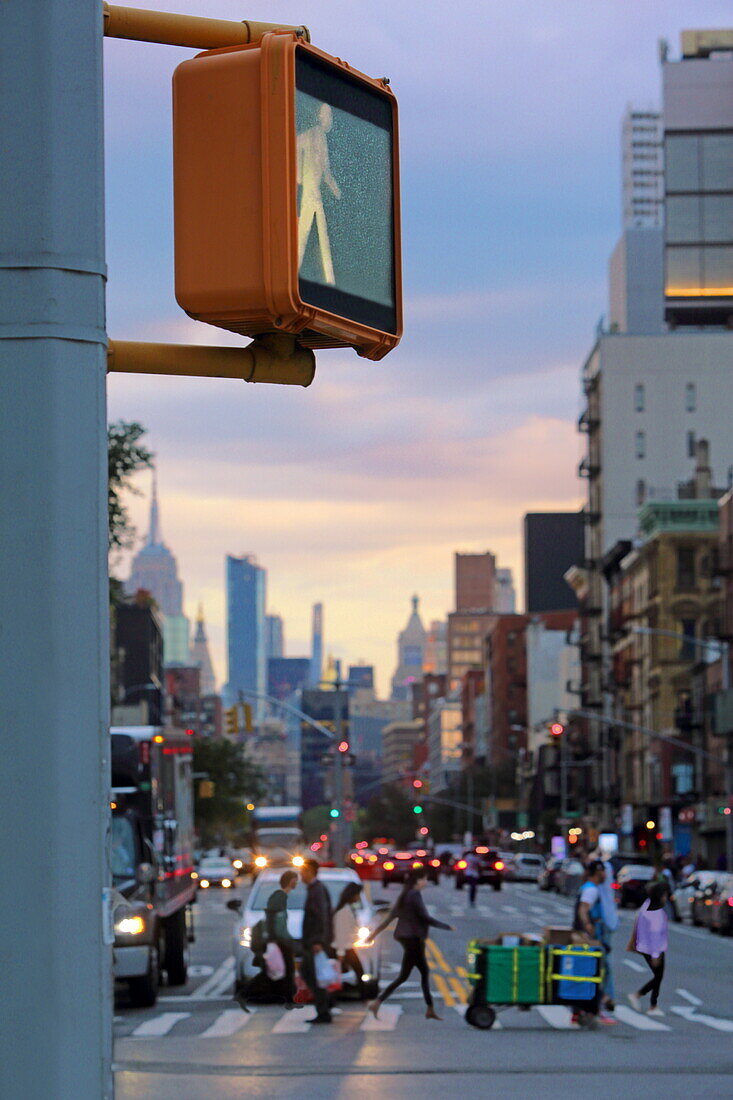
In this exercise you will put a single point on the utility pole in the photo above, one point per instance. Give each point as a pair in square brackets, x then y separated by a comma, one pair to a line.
[54, 662]
[338, 775]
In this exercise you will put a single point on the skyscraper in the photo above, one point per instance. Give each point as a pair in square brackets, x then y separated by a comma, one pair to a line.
[200, 656]
[247, 665]
[317, 645]
[155, 569]
[553, 541]
[475, 577]
[274, 636]
[643, 168]
[410, 654]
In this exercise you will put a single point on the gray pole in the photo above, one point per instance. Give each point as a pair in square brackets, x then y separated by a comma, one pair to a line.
[54, 646]
[338, 778]
[564, 779]
[725, 685]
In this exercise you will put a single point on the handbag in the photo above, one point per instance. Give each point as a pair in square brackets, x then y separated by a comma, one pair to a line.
[274, 962]
[328, 972]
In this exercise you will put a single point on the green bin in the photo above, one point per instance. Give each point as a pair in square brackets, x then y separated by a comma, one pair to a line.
[506, 975]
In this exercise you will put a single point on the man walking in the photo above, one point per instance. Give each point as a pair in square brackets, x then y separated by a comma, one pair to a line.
[317, 936]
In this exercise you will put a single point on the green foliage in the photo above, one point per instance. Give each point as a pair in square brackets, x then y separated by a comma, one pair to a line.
[389, 814]
[125, 456]
[223, 818]
[316, 821]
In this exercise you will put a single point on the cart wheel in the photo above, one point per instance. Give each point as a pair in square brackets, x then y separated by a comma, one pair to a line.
[481, 1016]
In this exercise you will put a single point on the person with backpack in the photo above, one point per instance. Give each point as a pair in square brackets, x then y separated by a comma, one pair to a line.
[588, 919]
[413, 924]
[346, 930]
[610, 922]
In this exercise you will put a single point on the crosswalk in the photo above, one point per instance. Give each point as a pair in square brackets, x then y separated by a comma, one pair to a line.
[228, 1023]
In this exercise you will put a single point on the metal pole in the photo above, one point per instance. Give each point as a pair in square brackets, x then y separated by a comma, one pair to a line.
[725, 684]
[54, 651]
[564, 778]
[338, 779]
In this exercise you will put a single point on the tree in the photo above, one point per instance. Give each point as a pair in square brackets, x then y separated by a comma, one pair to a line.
[125, 456]
[316, 821]
[223, 817]
[389, 814]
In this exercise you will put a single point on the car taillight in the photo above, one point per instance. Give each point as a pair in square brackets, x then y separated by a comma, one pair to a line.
[389, 866]
[461, 864]
[615, 886]
[730, 902]
[417, 863]
[436, 863]
[499, 865]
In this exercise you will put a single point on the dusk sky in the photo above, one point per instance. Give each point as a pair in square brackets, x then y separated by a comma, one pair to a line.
[358, 490]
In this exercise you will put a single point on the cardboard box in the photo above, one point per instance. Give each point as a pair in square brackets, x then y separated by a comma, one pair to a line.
[562, 937]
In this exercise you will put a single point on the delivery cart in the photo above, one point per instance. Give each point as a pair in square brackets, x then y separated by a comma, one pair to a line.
[524, 974]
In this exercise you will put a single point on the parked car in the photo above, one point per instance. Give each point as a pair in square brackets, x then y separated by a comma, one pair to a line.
[247, 974]
[528, 868]
[721, 913]
[242, 861]
[215, 871]
[491, 866]
[684, 895]
[633, 881]
[397, 865]
[448, 855]
[704, 897]
[569, 876]
[548, 875]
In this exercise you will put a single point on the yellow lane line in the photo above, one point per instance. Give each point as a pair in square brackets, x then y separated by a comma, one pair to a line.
[438, 956]
[444, 990]
[462, 971]
[460, 991]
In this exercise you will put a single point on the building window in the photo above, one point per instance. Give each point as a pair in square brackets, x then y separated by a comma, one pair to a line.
[690, 397]
[640, 492]
[690, 444]
[688, 647]
[685, 569]
[640, 445]
[639, 398]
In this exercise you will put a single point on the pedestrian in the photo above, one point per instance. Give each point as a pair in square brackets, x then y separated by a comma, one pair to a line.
[610, 922]
[588, 919]
[276, 925]
[471, 875]
[346, 931]
[413, 922]
[317, 936]
[650, 937]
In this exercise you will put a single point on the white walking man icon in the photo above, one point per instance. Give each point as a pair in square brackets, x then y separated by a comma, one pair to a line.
[313, 170]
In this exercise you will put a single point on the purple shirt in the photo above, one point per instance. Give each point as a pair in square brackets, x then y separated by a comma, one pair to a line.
[651, 931]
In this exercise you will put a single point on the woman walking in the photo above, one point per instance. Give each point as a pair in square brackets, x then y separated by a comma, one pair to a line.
[650, 938]
[346, 931]
[413, 922]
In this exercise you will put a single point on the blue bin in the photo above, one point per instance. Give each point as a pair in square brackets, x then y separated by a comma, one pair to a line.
[575, 973]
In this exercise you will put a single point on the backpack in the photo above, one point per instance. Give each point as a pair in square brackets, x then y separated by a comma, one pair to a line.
[259, 938]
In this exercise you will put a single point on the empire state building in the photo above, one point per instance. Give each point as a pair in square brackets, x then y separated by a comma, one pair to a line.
[155, 569]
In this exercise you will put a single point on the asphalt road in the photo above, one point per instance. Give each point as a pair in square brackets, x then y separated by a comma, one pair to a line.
[197, 1044]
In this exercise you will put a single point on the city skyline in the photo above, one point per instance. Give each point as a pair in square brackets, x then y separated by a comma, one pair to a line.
[358, 490]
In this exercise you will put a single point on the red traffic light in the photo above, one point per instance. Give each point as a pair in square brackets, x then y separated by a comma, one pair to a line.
[557, 729]
[343, 746]
[417, 784]
[424, 831]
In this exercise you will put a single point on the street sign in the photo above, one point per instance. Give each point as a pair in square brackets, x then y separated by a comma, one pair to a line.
[286, 194]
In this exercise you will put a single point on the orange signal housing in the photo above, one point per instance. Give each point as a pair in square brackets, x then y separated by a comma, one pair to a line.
[235, 196]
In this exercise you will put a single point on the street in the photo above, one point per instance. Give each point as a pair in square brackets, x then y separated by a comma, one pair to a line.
[198, 1043]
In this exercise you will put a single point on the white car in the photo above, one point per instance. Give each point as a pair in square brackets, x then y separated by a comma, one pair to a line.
[527, 868]
[334, 879]
[215, 871]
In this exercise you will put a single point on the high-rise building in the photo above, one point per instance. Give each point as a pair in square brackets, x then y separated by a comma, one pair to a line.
[435, 659]
[317, 644]
[201, 657]
[553, 541]
[274, 636]
[643, 168]
[505, 599]
[155, 570]
[245, 585]
[139, 647]
[466, 633]
[286, 675]
[698, 180]
[361, 678]
[475, 581]
[410, 654]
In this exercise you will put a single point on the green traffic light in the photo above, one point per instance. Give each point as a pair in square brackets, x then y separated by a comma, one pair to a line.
[417, 809]
[335, 813]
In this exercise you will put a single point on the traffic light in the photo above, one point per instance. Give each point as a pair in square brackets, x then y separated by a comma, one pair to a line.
[417, 809]
[206, 788]
[417, 784]
[248, 727]
[557, 729]
[286, 196]
[232, 720]
[335, 813]
[343, 746]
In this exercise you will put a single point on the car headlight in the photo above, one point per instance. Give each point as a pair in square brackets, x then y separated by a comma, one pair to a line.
[226, 883]
[261, 861]
[203, 883]
[194, 874]
[130, 926]
[245, 937]
[237, 864]
[298, 861]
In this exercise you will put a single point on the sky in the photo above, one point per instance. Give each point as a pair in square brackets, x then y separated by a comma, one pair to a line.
[357, 491]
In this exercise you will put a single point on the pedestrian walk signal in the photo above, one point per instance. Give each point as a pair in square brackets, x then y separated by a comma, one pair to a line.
[286, 196]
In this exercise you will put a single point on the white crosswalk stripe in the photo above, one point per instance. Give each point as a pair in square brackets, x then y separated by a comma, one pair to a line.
[634, 966]
[159, 1025]
[228, 1022]
[714, 1022]
[293, 1022]
[557, 1016]
[385, 1021]
[637, 1020]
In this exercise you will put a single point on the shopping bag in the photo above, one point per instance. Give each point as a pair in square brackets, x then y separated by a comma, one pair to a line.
[274, 962]
[328, 972]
